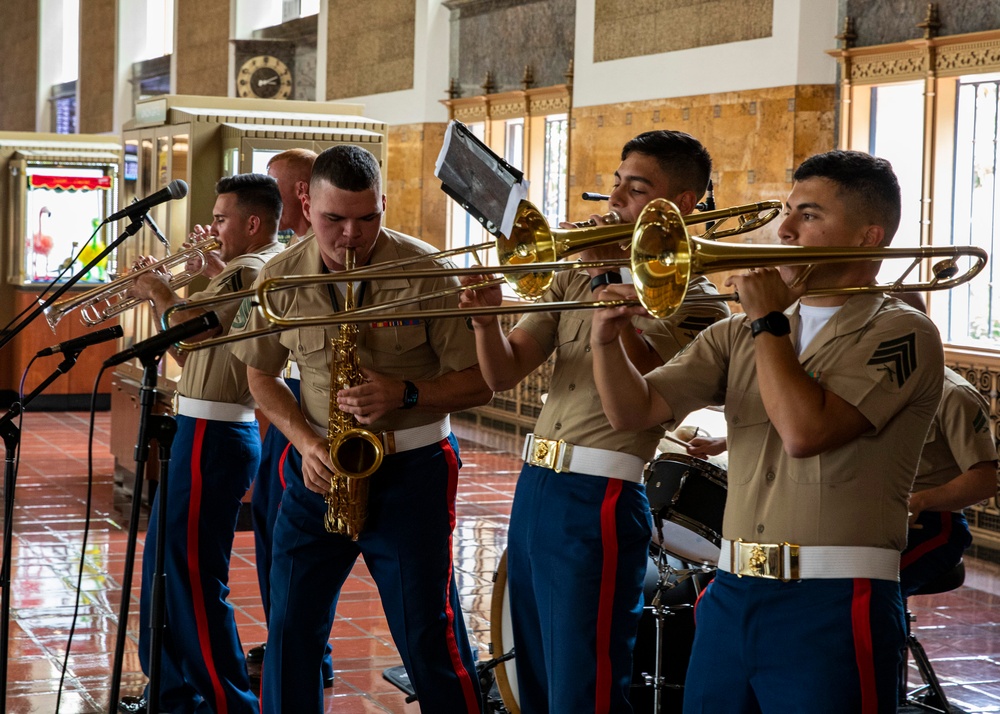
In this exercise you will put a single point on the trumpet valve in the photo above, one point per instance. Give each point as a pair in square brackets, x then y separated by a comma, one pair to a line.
[609, 218]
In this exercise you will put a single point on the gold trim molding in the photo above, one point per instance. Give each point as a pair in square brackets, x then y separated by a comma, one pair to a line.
[509, 105]
[972, 53]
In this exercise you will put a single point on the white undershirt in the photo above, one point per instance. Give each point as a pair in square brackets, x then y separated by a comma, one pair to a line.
[811, 320]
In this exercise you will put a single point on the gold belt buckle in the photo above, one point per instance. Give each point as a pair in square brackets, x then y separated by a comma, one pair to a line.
[765, 560]
[550, 454]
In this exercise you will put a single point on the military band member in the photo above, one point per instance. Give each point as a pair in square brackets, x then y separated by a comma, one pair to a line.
[827, 401]
[417, 371]
[215, 456]
[580, 525]
[292, 170]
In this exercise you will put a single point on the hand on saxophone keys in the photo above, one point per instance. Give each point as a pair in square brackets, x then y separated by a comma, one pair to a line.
[372, 399]
[317, 470]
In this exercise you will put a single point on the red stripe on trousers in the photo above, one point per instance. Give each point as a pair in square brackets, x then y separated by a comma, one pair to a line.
[605, 606]
[861, 623]
[281, 465]
[927, 546]
[194, 567]
[471, 701]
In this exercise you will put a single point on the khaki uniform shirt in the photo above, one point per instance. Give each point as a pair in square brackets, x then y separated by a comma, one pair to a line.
[573, 410]
[407, 349]
[959, 436]
[877, 354]
[213, 374]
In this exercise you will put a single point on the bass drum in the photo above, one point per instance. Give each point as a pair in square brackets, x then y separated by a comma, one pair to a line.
[677, 636]
[502, 637]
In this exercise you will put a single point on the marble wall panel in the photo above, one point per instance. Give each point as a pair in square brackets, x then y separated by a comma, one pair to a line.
[879, 23]
[98, 33]
[202, 50]
[415, 203]
[633, 28]
[19, 40]
[502, 36]
[370, 47]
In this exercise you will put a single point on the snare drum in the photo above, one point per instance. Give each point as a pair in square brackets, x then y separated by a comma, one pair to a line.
[687, 497]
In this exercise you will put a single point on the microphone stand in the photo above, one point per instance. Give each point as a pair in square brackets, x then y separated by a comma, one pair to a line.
[130, 230]
[162, 428]
[11, 440]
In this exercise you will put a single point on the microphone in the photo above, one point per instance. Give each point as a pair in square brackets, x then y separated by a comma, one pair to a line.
[151, 224]
[175, 189]
[78, 343]
[161, 342]
[588, 196]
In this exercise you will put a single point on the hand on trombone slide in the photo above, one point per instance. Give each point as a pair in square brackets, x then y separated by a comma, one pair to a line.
[610, 321]
[763, 290]
[488, 294]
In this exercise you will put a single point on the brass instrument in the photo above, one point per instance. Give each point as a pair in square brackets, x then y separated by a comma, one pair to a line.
[106, 301]
[355, 452]
[664, 259]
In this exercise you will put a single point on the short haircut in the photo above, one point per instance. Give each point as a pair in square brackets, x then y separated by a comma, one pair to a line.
[349, 168]
[866, 183]
[256, 194]
[300, 161]
[681, 157]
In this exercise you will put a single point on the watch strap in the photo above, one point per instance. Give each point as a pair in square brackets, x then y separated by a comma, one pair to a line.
[774, 322]
[410, 394]
[608, 278]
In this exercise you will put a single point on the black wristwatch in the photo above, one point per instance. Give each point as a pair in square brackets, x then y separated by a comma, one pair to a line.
[774, 322]
[410, 395]
[608, 278]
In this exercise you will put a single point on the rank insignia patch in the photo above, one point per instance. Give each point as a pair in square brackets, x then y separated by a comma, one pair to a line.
[694, 324]
[981, 423]
[897, 358]
[240, 321]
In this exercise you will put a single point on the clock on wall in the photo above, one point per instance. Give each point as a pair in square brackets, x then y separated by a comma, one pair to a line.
[264, 77]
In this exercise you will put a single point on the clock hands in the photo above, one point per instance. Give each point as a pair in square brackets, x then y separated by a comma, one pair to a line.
[269, 80]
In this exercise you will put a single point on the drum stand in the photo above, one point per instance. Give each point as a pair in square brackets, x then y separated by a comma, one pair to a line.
[662, 612]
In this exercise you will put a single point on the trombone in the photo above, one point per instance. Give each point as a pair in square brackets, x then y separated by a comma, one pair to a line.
[664, 259]
[111, 299]
[529, 259]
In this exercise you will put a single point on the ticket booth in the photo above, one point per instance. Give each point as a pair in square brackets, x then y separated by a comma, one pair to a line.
[199, 140]
[56, 192]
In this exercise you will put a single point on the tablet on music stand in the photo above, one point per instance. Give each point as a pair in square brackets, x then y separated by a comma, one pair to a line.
[481, 182]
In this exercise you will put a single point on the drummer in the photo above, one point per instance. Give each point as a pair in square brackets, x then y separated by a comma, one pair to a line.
[580, 523]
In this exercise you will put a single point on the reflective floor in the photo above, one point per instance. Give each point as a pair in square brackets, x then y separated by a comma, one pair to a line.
[959, 630]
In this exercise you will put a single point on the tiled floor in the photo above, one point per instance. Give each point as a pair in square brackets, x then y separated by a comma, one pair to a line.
[959, 630]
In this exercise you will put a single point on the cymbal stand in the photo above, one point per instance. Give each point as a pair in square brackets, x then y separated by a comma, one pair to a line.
[662, 612]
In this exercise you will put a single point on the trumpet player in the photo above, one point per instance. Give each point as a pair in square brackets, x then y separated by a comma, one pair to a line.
[413, 372]
[215, 456]
[580, 524]
[828, 399]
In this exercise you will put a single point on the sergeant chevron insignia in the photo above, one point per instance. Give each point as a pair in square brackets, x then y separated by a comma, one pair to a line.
[695, 323]
[896, 358]
[981, 423]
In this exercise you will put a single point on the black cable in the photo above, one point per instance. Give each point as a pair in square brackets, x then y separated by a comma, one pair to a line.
[86, 532]
[52, 284]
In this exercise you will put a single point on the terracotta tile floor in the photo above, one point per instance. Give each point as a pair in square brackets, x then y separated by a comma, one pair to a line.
[960, 630]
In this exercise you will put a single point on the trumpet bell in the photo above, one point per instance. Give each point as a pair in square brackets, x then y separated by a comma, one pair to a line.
[661, 258]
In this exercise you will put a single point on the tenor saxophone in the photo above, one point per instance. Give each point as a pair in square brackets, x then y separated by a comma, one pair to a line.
[355, 452]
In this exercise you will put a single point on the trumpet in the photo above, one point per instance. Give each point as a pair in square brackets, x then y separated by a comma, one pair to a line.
[664, 260]
[106, 301]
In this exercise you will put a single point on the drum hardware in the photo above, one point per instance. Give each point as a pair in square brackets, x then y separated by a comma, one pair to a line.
[668, 578]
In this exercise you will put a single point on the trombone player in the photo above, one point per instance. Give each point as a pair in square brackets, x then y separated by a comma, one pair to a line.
[827, 400]
[415, 372]
[580, 524]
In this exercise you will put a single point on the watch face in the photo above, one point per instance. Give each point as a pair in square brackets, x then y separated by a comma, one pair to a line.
[265, 77]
